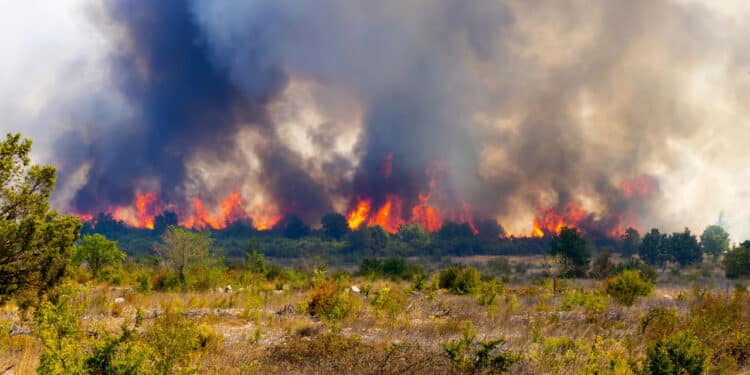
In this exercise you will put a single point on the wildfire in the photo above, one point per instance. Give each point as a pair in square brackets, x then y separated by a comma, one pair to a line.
[389, 215]
[551, 221]
[142, 213]
[640, 187]
[146, 206]
[426, 215]
[360, 213]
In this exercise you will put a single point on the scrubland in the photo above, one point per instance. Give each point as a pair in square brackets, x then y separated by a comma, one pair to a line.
[467, 320]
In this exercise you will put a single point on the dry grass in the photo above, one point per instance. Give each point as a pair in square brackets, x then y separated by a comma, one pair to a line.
[260, 332]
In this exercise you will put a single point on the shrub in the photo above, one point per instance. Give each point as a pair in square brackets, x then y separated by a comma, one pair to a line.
[471, 356]
[389, 302]
[172, 339]
[59, 328]
[737, 263]
[595, 302]
[328, 302]
[459, 281]
[393, 268]
[647, 272]
[626, 287]
[602, 266]
[680, 353]
[488, 291]
[658, 323]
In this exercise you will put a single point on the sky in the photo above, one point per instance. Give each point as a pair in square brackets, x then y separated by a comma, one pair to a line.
[526, 103]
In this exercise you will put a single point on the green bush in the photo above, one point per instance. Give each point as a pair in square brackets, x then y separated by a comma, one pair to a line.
[737, 263]
[658, 323]
[172, 339]
[59, 328]
[626, 287]
[393, 268]
[470, 356]
[459, 281]
[488, 291]
[680, 353]
[329, 303]
[647, 272]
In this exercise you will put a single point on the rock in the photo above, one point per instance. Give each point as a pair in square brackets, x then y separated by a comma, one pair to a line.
[278, 291]
[355, 289]
[20, 330]
[287, 310]
[119, 300]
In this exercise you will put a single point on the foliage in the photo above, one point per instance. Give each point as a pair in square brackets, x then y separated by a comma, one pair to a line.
[602, 266]
[471, 356]
[654, 248]
[715, 240]
[680, 353]
[647, 272]
[122, 354]
[684, 248]
[627, 286]
[459, 280]
[389, 302]
[335, 225]
[97, 251]
[180, 248]
[37, 244]
[594, 302]
[571, 249]
[295, 228]
[658, 323]
[394, 268]
[488, 292]
[737, 262]
[59, 329]
[414, 235]
[630, 242]
[328, 302]
[172, 339]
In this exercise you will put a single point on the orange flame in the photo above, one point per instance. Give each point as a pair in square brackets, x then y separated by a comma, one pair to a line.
[389, 215]
[360, 213]
[426, 215]
[550, 221]
[141, 215]
[230, 211]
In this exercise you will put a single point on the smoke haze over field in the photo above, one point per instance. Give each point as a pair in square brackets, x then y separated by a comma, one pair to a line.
[635, 110]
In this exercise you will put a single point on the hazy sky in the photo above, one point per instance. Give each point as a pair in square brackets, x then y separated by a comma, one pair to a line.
[679, 73]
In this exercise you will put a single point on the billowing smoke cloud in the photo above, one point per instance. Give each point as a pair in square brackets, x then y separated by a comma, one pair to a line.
[518, 105]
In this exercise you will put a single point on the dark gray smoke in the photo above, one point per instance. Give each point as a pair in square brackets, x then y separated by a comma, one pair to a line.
[526, 104]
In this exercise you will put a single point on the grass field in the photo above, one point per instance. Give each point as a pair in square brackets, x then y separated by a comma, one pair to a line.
[324, 326]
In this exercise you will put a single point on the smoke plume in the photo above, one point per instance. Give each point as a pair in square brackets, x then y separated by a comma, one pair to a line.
[509, 108]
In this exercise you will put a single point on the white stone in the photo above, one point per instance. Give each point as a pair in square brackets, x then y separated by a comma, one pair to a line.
[355, 289]
[119, 300]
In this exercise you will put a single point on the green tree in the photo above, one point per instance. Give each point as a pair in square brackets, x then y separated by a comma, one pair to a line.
[681, 353]
[653, 248]
[180, 248]
[335, 225]
[36, 244]
[737, 262]
[683, 247]
[571, 249]
[715, 240]
[414, 235]
[98, 252]
[630, 241]
[295, 228]
[164, 221]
